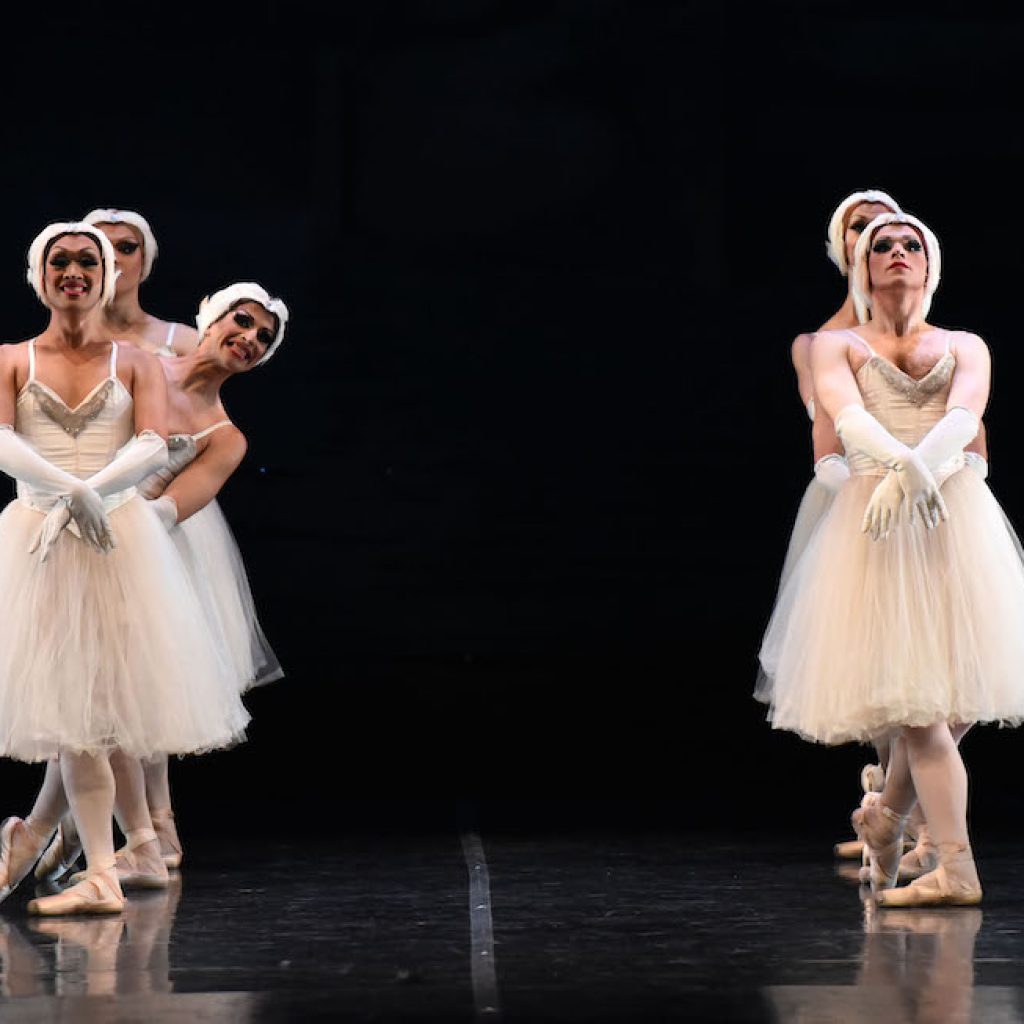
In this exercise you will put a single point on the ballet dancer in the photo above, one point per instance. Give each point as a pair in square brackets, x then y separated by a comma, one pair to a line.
[901, 616]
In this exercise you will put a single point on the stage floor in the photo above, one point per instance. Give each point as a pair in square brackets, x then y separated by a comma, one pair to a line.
[520, 928]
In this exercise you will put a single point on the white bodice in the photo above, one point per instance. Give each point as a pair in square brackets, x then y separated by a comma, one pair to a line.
[907, 407]
[82, 440]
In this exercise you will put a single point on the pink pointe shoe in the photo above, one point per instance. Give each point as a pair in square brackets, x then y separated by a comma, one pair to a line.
[954, 883]
[167, 833]
[136, 867]
[922, 858]
[881, 830]
[20, 848]
[97, 893]
[61, 855]
[872, 780]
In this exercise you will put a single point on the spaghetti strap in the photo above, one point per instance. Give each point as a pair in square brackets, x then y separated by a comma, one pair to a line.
[113, 359]
[210, 430]
[32, 359]
[170, 337]
[871, 351]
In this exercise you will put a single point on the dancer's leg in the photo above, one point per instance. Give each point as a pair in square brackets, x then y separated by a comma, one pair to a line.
[141, 863]
[51, 802]
[89, 784]
[940, 780]
[158, 795]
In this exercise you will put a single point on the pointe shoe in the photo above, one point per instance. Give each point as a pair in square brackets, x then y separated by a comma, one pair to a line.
[19, 851]
[135, 869]
[60, 856]
[872, 780]
[881, 830]
[954, 883]
[97, 893]
[922, 858]
[170, 844]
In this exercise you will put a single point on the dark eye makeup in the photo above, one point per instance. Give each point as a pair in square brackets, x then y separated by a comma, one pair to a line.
[126, 247]
[884, 245]
[245, 321]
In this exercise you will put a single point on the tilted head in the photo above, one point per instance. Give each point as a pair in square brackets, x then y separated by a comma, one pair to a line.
[240, 332]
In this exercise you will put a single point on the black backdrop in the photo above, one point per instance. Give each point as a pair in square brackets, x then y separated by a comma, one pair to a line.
[521, 478]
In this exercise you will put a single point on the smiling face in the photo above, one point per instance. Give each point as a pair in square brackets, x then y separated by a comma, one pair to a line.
[128, 254]
[856, 221]
[73, 273]
[241, 337]
[897, 258]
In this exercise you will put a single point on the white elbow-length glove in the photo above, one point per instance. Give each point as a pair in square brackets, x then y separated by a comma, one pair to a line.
[832, 472]
[76, 499]
[141, 456]
[134, 462]
[860, 430]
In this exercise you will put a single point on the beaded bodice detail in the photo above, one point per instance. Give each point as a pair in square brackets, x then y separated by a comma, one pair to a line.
[907, 407]
[72, 421]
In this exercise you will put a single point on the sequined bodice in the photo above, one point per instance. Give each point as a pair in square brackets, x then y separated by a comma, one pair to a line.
[906, 407]
[80, 440]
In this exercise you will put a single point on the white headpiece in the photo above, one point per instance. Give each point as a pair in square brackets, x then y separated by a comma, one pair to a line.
[134, 220]
[861, 279]
[37, 253]
[835, 246]
[214, 306]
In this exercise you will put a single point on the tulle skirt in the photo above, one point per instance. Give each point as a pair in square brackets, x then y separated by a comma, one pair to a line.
[107, 650]
[924, 626]
[215, 566]
[817, 500]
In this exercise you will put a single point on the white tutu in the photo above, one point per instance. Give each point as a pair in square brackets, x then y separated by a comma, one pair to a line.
[107, 650]
[923, 626]
[214, 562]
[817, 500]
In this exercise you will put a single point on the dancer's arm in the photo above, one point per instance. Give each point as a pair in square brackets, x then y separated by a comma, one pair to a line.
[200, 482]
[968, 396]
[837, 391]
[147, 451]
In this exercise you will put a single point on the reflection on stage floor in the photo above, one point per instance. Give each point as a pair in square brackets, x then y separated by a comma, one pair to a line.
[520, 928]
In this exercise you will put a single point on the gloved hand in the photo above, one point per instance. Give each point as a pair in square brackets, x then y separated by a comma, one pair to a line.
[861, 431]
[85, 507]
[166, 509]
[883, 511]
[978, 463]
[832, 472]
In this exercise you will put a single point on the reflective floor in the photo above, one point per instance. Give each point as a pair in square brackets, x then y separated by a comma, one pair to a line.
[583, 928]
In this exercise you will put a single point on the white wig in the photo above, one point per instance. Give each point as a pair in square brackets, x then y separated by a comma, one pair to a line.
[214, 306]
[134, 220]
[835, 246]
[41, 243]
[861, 278]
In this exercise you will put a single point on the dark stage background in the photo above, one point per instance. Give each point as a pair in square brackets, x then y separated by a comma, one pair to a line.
[521, 478]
